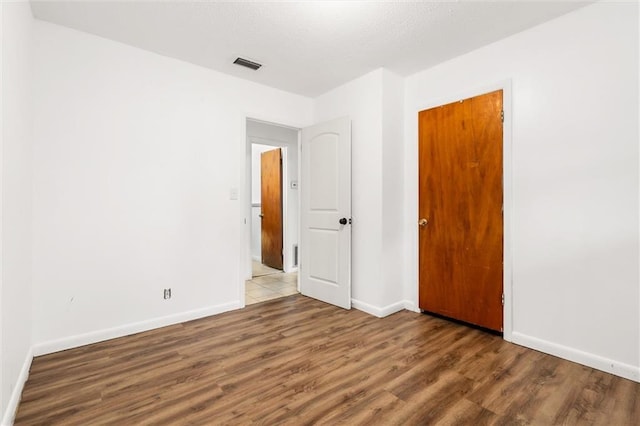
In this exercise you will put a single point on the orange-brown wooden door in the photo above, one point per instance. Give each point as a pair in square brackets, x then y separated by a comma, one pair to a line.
[271, 201]
[460, 210]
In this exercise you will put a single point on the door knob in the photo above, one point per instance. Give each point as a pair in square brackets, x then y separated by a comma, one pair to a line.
[423, 222]
[343, 221]
[261, 215]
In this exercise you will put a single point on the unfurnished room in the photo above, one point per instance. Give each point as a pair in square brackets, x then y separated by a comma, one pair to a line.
[320, 212]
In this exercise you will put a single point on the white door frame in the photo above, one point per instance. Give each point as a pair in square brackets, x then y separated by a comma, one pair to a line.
[245, 254]
[412, 222]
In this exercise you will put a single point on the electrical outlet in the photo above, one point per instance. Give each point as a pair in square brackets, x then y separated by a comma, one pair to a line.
[167, 293]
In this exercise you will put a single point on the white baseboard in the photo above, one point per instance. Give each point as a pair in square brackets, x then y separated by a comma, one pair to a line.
[411, 306]
[590, 360]
[128, 329]
[12, 407]
[377, 311]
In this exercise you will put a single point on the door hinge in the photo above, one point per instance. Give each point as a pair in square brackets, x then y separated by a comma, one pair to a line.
[502, 299]
[502, 116]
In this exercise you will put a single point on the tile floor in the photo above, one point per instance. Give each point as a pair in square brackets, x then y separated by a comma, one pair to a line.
[268, 283]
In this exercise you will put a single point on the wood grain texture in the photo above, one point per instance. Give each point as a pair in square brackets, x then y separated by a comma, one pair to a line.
[460, 187]
[299, 361]
[271, 200]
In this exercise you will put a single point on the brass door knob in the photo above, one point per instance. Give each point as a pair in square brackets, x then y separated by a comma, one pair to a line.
[423, 222]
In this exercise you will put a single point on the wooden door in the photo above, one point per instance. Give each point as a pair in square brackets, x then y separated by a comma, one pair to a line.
[325, 212]
[460, 210]
[271, 201]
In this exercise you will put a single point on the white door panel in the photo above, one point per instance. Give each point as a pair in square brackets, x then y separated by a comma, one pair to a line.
[323, 249]
[323, 172]
[325, 190]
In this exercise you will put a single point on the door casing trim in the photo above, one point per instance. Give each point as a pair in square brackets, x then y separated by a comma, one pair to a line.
[245, 258]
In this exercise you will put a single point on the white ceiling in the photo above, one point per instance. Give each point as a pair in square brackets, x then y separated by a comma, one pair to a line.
[306, 47]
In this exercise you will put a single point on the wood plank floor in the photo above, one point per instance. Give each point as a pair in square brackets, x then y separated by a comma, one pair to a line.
[299, 361]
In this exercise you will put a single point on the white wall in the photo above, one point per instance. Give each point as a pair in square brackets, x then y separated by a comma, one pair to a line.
[374, 104]
[256, 152]
[16, 206]
[393, 203]
[136, 156]
[256, 233]
[575, 179]
[256, 209]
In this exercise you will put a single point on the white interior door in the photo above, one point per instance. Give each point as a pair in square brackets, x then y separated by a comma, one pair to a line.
[325, 216]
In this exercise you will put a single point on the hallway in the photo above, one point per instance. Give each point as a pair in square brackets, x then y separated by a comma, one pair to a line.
[268, 283]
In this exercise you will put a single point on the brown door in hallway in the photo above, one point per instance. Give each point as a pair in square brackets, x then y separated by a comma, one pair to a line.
[271, 201]
[460, 210]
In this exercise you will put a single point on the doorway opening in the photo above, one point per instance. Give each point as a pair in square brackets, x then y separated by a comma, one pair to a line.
[272, 166]
[318, 220]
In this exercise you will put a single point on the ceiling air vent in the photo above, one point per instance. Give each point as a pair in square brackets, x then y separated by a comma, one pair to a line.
[247, 63]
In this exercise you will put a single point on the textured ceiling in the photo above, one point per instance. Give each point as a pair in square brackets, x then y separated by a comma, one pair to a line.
[307, 47]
